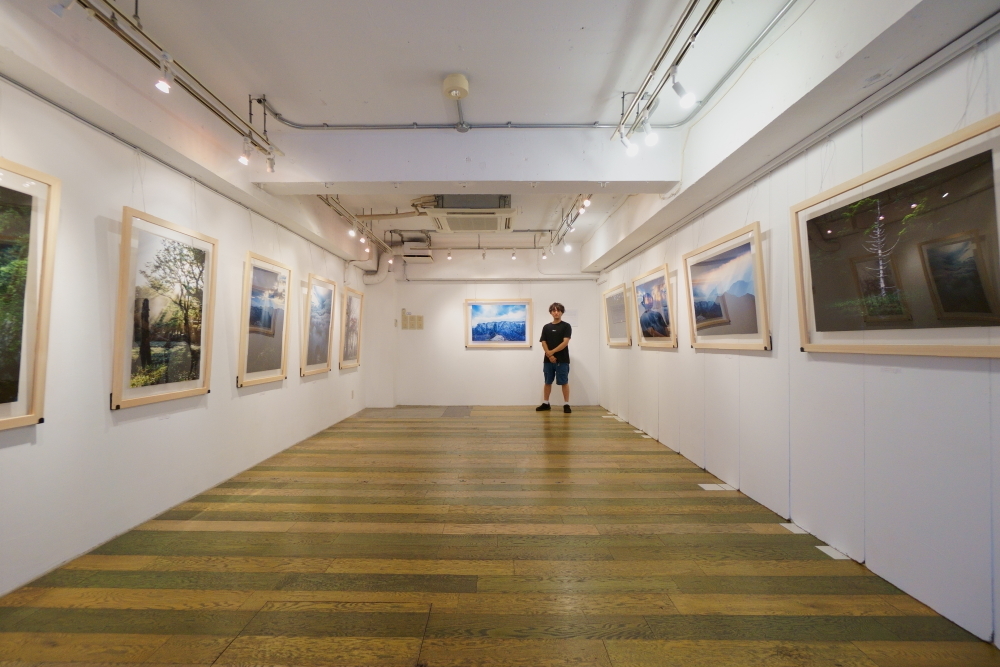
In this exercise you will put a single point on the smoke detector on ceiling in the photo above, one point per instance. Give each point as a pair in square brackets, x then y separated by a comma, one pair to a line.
[456, 86]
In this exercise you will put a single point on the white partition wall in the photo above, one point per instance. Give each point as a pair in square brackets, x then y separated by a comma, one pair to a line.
[87, 473]
[888, 459]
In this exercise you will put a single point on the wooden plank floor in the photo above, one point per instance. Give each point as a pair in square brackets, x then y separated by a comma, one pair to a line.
[490, 536]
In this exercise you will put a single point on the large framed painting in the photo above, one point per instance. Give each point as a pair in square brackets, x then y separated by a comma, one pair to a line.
[351, 320]
[317, 330]
[617, 330]
[654, 308]
[264, 323]
[905, 258]
[29, 215]
[727, 293]
[166, 296]
[498, 323]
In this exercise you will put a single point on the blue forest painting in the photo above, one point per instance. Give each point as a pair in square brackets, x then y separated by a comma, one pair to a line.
[498, 322]
[723, 293]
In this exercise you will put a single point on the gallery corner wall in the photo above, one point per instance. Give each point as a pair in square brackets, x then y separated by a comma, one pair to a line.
[88, 473]
[892, 460]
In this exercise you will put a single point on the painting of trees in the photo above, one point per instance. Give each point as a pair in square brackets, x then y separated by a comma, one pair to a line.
[169, 298]
[15, 233]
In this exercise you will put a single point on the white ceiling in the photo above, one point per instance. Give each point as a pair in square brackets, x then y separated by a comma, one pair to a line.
[382, 61]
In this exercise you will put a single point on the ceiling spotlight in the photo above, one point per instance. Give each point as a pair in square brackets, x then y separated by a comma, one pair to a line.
[166, 79]
[270, 163]
[484, 254]
[513, 255]
[572, 227]
[567, 247]
[455, 86]
[630, 149]
[390, 260]
[368, 249]
[351, 232]
[944, 195]
[449, 254]
[247, 148]
[651, 138]
[544, 255]
[583, 209]
[586, 202]
[363, 239]
[687, 98]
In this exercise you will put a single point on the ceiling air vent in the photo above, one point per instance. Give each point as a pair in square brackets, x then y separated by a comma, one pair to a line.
[472, 214]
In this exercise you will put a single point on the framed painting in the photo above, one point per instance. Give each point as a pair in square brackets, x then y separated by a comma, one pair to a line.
[654, 308]
[351, 321]
[498, 323]
[166, 296]
[727, 293]
[317, 330]
[29, 217]
[616, 330]
[904, 259]
[264, 321]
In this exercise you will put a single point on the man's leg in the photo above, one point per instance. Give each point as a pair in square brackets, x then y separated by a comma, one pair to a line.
[546, 392]
[565, 390]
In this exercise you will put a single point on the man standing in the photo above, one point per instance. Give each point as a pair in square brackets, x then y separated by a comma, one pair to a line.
[555, 344]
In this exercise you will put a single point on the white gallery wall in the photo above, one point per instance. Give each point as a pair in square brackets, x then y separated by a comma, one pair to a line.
[890, 459]
[433, 367]
[87, 473]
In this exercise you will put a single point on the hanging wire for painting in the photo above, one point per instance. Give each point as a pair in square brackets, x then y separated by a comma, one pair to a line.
[751, 200]
[826, 155]
[139, 171]
[253, 240]
[972, 81]
[2, 85]
[277, 241]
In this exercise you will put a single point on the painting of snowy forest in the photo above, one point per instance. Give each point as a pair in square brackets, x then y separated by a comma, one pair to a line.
[498, 323]
[318, 341]
[350, 328]
[919, 255]
[266, 320]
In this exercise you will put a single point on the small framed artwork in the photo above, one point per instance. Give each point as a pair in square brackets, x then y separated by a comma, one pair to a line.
[317, 330]
[498, 323]
[654, 308]
[727, 293]
[166, 297]
[29, 216]
[351, 321]
[617, 330]
[264, 322]
[904, 259]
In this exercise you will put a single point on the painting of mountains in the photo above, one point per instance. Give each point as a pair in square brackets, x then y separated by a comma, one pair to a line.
[722, 293]
[955, 270]
[498, 324]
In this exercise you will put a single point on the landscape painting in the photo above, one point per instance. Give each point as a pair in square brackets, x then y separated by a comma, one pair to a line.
[728, 306]
[498, 323]
[317, 346]
[351, 320]
[264, 341]
[617, 331]
[654, 308]
[166, 285]
[918, 255]
[15, 241]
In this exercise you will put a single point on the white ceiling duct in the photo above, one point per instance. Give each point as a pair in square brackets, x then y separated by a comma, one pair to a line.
[471, 214]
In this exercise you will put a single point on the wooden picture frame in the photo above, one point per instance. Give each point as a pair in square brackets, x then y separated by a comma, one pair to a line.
[313, 314]
[907, 174]
[25, 396]
[496, 328]
[350, 334]
[618, 293]
[182, 265]
[727, 320]
[670, 340]
[267, 288]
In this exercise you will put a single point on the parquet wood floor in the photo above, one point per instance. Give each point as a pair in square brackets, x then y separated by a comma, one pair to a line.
[496, 536]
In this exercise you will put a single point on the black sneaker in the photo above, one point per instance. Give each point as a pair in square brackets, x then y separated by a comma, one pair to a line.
[543, 407]
[567, 409]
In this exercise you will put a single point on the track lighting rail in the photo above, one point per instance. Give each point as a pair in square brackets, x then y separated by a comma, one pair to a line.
[361, 228]
[130, 31]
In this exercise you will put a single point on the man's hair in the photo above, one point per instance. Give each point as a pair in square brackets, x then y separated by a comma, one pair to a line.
[557, 306]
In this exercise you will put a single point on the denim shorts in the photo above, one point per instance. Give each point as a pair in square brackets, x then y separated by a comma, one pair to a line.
[558, 372]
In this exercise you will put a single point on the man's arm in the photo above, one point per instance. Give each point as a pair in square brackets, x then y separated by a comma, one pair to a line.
[557, 348]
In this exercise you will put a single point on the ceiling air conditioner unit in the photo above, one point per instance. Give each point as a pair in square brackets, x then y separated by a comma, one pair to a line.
[472, 214]
[417, 253]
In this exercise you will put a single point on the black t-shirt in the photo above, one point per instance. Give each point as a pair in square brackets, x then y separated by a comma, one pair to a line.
[553, 335]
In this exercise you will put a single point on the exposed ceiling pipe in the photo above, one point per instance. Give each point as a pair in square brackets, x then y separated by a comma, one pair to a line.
[392, 216]
[375, 277]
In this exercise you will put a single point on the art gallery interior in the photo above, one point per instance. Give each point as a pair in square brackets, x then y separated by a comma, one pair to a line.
[272, 281]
